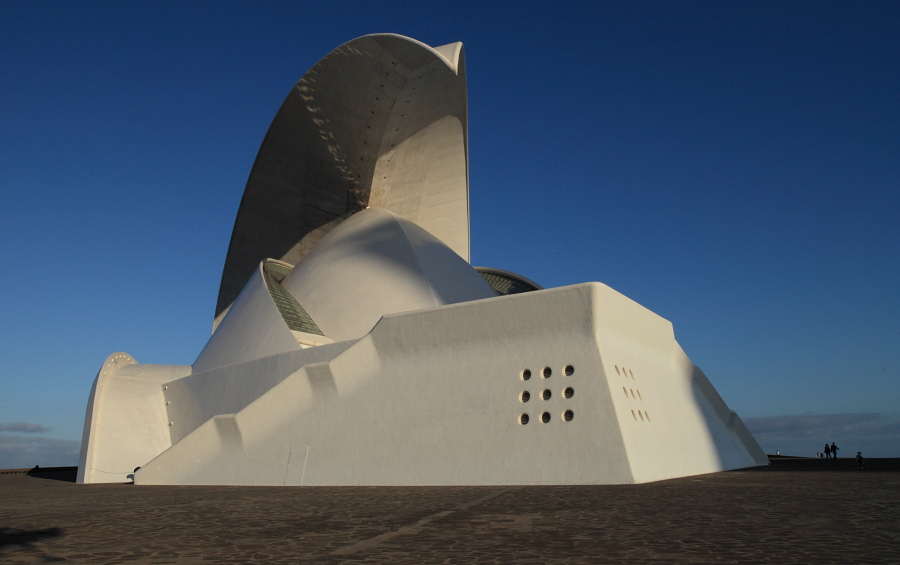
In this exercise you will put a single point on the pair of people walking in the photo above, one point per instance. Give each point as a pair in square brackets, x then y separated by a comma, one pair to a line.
[831, 451]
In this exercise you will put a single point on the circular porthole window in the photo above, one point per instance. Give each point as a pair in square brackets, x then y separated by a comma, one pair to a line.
[545, 417]
[568, 415]
[523, 419]
[545, 394]
[525, 396]
[569, 370]
[526, 374]
[569, 392]
[547, 372]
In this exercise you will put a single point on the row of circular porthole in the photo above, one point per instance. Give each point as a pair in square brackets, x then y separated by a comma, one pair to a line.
[566, 416]
[547, 372]
[525, 396]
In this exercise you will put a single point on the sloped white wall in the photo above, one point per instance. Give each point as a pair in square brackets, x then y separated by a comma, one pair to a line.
[253, 328]
[434, 397]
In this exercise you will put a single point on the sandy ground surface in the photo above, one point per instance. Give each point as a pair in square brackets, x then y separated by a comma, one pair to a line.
[794, 511]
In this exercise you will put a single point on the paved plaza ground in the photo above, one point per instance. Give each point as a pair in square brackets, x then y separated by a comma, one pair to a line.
[794, 511]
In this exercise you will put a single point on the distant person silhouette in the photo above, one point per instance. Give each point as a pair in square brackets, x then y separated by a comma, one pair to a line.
[827, 452]
[860, 462]
[834, 450]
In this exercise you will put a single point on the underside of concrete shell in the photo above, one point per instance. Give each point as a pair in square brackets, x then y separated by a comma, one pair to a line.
[380, 121]
[355, 345]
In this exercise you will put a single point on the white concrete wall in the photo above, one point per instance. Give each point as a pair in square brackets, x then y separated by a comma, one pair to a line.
[434, 397]
[194, 399]
[125, 425]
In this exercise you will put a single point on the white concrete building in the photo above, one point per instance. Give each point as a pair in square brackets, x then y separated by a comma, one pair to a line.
[353, 343]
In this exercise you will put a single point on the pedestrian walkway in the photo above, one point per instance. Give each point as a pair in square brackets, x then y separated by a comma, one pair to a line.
[794, 511]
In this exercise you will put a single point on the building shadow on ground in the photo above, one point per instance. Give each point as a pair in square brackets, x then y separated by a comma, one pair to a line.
[65, 474]
[25, 539]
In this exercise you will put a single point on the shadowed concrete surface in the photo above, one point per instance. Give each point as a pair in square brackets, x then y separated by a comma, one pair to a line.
[794, 511]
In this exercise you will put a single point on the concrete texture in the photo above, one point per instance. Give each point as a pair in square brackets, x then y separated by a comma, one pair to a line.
[794, 511]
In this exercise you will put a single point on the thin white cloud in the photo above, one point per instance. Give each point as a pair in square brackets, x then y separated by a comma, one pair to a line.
[23, 428]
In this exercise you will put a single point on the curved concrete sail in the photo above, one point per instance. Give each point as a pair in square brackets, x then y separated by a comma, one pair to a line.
[379, 121]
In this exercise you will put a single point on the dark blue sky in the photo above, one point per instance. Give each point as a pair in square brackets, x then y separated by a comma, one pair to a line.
[735, 167]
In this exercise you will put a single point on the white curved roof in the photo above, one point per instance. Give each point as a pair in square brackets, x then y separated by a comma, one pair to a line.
[378, 263]
[379, 121]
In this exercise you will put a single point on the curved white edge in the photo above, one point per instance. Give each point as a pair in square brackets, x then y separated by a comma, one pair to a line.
[448, 53]
[92, 413]
[451, 53]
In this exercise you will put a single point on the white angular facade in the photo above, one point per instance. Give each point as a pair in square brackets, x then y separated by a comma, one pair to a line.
[353, 343]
